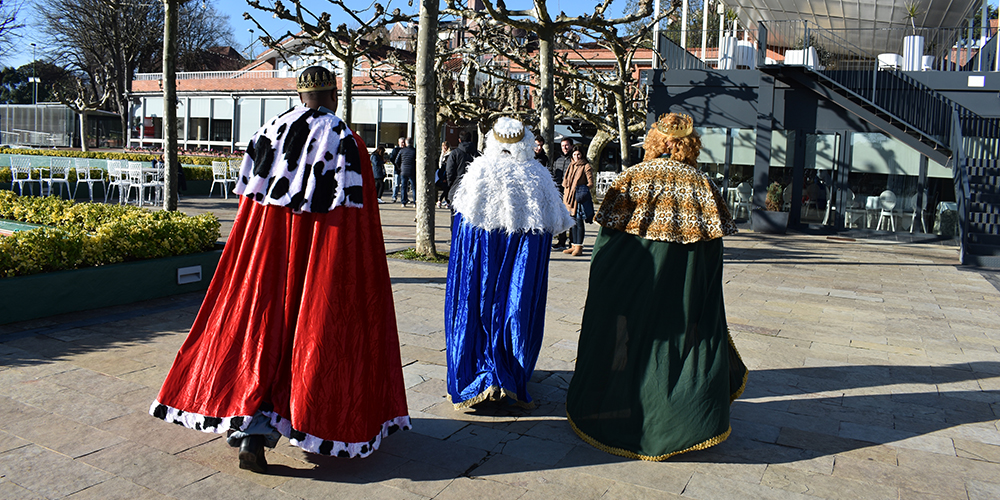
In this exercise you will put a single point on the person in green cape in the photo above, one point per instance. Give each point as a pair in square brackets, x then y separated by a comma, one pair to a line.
[657, 369]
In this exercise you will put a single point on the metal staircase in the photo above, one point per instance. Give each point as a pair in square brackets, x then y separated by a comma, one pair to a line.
[920, 117]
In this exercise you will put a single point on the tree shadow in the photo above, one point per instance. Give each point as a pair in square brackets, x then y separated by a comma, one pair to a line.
[772, 422]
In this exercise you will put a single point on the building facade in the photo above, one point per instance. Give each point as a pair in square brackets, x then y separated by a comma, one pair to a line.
[865, 120]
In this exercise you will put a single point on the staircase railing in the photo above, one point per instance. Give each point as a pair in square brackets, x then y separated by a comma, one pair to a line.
[980, 135]
[960, 177]
[675, 57]
[877, 81]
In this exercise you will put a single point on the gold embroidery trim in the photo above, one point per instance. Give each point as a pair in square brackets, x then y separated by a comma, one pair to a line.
[700, 446]
[631, 454]
[493, 393]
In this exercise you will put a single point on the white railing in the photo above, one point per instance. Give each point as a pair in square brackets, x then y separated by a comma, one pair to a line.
[220, 75]
[230, 75]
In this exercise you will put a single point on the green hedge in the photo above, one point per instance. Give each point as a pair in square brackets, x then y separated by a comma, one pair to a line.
[190, 173]
[93, 234]
[105, 155]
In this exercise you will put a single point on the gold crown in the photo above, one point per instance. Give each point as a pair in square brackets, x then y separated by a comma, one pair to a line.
[316, 82]
[683, 129]
[509, 139]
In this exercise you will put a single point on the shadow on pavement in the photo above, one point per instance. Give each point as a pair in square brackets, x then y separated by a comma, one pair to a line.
[772, 424]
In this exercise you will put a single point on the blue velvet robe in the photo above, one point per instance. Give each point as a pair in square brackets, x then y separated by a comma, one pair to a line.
[494, 312]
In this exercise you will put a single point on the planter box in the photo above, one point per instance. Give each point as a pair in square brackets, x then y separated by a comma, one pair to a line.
[48, 294]
[766, 221]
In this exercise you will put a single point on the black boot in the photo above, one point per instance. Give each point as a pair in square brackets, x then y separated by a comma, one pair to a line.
[252, 454]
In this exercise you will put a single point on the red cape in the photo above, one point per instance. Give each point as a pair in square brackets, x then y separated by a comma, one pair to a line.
[298, 322]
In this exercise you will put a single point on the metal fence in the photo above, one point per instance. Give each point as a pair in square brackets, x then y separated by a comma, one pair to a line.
[907, 49]
[43, 125]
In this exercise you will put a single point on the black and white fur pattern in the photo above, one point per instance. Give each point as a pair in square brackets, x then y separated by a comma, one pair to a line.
[318, 445]
[304, 159]
[307, 442]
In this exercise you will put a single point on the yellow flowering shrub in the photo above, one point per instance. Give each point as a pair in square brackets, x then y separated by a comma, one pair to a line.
[80, 235]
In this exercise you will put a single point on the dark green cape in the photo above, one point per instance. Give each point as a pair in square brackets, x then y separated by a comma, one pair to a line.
[656, 369]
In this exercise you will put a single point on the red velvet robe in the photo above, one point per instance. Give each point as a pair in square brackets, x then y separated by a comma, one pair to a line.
[299, 323]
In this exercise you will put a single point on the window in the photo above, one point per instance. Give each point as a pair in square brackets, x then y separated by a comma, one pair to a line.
[222, 130]
[198, 129]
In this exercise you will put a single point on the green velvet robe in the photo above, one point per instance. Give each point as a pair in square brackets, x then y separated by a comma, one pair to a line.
[657, 369]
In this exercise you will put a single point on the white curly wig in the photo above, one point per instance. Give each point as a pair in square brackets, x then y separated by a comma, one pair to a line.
[506, 188]
[522, 150]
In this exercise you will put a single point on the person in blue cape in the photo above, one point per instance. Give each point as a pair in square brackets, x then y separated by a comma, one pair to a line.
[506, 211]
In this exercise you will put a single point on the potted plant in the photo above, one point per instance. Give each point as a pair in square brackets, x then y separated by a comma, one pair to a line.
[913, 45]
[772, 220]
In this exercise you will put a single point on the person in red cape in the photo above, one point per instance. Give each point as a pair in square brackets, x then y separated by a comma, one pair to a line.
[297, 333]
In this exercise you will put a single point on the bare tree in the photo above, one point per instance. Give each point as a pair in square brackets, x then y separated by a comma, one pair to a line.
[112, 37]
[84, 96]
[426, 125]
[318, 39]
[111, 40]
[473, 86]
[200, 27]
[619, 86]
[537, 20]
[9, 23]
[170, 21]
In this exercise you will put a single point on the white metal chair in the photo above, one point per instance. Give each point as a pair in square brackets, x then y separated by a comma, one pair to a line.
[85, 174]
[117, 179]
[887, 205]
[133, 174]
[888, 61]
[141, 178]
[743, 193]
[918, 213]
[235, 165]
[854, 212]
[153, 179]
[220, 175]
[20, 174]
[604, 180]
[390, 177]
[786, 197]
[59, 174]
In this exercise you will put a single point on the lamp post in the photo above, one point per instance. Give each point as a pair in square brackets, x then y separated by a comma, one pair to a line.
[656, 35]
[34, 98]
[251, 43]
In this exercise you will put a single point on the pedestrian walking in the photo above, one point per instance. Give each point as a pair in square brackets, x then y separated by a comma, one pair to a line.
[297, 334]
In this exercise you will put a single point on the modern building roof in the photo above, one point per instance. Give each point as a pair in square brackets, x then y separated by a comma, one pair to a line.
[853, 14]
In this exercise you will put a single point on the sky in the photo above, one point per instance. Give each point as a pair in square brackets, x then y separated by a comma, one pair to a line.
[22, 53]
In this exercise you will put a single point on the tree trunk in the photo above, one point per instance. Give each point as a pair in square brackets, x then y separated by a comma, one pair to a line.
[546, 87]
[426, 130]
[597, 145]
[169, 104]
[622, 129]
[348, 92]
[83, 131]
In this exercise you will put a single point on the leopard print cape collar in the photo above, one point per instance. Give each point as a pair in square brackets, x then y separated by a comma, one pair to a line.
[664, 200]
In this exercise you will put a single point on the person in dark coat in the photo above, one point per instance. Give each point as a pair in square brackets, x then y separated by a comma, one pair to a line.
[441, 176]
[407, 165]
[394, 159]
[540, 152]
[378, 170]
[458, 160]
[559, 166]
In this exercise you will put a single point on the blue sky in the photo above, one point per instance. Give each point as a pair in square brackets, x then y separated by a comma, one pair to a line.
[22, 53]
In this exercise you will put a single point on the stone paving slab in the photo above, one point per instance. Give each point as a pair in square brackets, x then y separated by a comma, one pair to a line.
[875, 373]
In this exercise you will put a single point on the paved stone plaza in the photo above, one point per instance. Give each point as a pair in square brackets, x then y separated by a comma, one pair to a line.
[874, 375]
